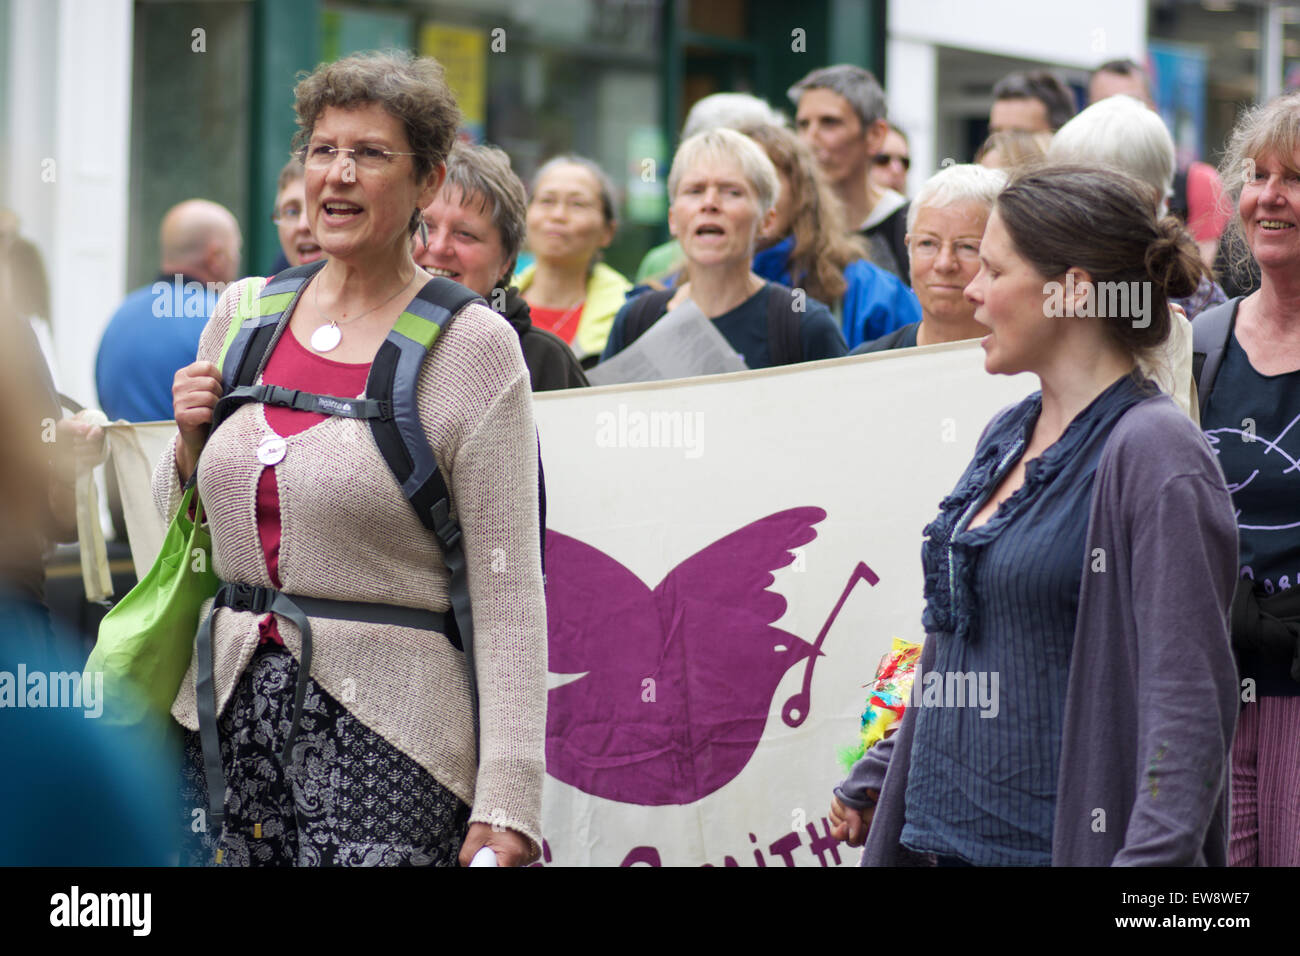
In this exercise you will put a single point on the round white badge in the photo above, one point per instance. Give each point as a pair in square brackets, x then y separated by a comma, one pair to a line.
[326, 337]
[271, 451]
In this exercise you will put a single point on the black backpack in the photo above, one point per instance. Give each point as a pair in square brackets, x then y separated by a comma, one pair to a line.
[1210, 333]
[783, 324]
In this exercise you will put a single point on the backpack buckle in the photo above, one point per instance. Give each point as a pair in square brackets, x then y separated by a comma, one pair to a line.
[248, 597]
[444, 527]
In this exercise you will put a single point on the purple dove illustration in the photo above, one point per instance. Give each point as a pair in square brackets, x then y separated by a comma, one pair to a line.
[676, 682]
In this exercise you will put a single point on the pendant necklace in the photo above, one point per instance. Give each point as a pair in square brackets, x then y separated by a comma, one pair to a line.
[327, 337]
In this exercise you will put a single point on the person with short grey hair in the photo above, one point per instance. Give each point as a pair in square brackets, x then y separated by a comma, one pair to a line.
[473, 231]
[843, 116]
[945, 225]
[722, 191]
[1122, 133]
[732, 110]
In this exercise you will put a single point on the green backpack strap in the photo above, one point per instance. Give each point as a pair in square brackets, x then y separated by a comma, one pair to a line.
[248, 340]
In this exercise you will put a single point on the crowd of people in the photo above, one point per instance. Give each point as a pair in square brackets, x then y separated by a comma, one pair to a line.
[1164, 691]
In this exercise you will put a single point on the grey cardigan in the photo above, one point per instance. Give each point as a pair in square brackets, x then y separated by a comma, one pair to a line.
[1152, 699]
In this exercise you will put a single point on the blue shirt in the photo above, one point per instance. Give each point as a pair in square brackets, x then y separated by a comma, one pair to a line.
[1002, 606]
[154, 333]
[875, 302]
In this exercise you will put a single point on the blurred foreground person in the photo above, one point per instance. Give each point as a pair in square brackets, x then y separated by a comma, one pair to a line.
[1249, 380]
[945, 225]
[569, 291]
[723, 191]
[473, 231]
[73, 791]
[1080, 572]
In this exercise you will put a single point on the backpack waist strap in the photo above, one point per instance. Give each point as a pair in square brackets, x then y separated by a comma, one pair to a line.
[298, 609]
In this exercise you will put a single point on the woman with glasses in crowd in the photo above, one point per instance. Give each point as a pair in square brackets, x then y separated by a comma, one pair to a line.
[290, 216]
[569, 291]
[945, 224]
[391, 763]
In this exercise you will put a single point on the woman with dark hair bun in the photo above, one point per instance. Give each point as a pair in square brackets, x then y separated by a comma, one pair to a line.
[1077, 579]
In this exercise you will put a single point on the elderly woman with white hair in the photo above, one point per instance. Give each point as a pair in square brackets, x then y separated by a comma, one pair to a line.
[1121, 132]
[944, 227]
[723, 190]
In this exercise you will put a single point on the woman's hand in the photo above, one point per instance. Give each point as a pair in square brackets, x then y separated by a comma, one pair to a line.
[510, 847]
[195, 391]
[852, 825]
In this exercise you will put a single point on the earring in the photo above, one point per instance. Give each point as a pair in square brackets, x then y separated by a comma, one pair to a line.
[424, 232]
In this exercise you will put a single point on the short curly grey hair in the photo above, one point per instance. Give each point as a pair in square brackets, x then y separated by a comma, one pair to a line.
[413, 89]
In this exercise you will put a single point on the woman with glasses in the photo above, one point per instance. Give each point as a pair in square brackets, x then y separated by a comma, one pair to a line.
[378, 756]
[290, 217]
[945, 224]
[569, 291]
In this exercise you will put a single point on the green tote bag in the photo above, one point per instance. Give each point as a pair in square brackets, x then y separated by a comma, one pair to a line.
[146, 640]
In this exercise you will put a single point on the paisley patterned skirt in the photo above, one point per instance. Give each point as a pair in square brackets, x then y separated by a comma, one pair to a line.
[349, 799]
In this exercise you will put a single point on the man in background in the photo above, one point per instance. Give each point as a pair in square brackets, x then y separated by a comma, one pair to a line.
[1031, 101]
[842, 114]
[156, 329]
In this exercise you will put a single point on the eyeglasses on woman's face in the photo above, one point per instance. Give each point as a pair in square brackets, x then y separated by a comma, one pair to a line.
[365, 156]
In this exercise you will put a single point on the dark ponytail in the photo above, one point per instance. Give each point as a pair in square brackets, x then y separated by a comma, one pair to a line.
[1103, 221]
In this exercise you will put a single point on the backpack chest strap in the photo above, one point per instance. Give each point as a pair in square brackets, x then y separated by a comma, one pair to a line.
[337, 406]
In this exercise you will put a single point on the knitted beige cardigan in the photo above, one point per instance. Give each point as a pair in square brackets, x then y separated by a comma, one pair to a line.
[348, 534]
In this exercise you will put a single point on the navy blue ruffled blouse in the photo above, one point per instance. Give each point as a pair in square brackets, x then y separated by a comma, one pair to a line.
[1001, 606]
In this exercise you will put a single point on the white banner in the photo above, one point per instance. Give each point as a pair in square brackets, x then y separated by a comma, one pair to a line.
[691, 720]
[727, 559]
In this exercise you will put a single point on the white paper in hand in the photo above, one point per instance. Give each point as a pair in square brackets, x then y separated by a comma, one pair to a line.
[486, 856]
[683, 344]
